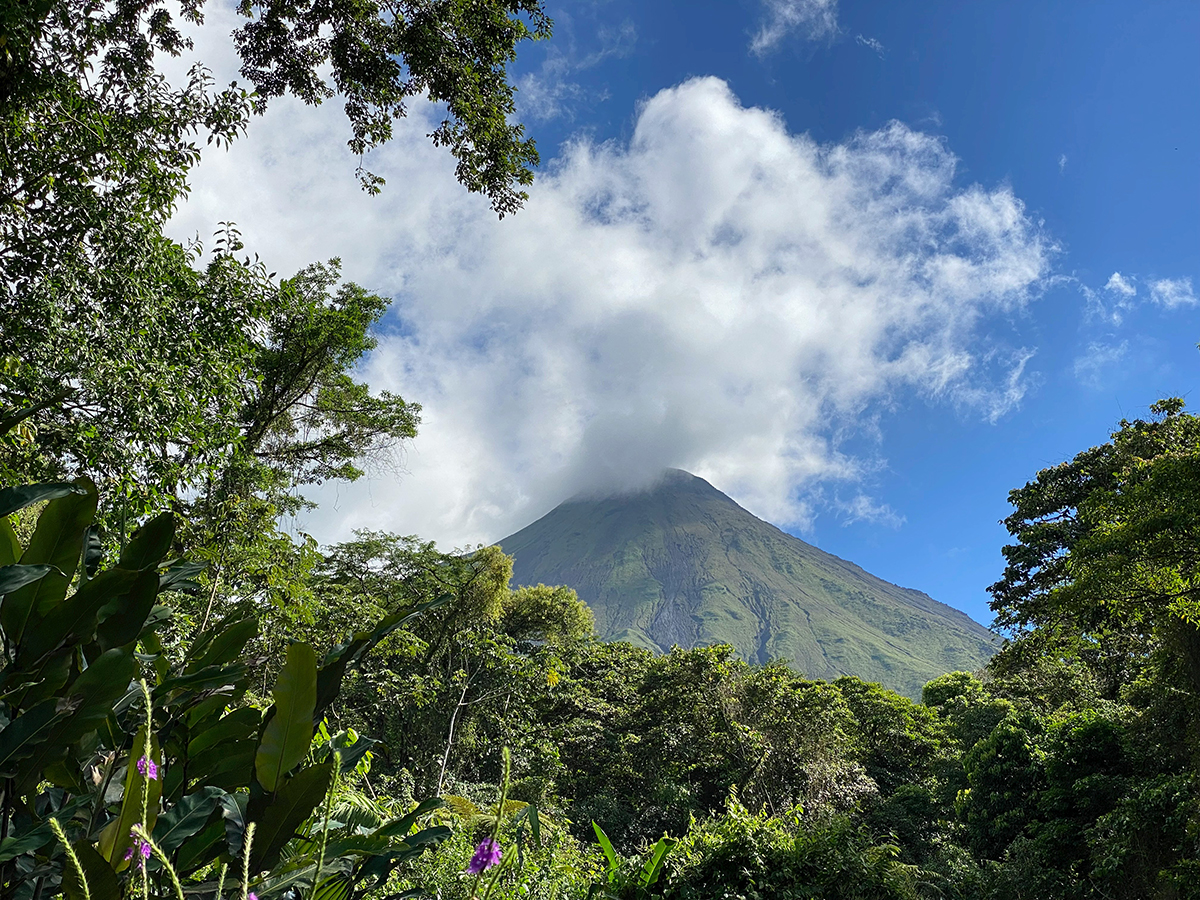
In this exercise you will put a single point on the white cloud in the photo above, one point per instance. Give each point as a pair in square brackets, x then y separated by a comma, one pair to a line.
[717, 294]
[1062, 163]
[552, 92]
[864, 509]
[870, 43]
[1091, 366]
[1172, 292]
[812, 19]
[1119, 284]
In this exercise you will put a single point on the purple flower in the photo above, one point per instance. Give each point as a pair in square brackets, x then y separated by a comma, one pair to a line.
[252, 896]
[141, 849]
[148, 768]
[487, 854]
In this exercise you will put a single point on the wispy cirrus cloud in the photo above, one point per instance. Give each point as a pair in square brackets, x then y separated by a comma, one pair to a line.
[1172, 292]
[1097, 360]
[813, 20]
[1114, 302]
[870, 43]
[553, 91]
[863, 508]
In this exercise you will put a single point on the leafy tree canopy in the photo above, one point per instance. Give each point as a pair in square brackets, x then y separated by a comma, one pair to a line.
[1105, 567]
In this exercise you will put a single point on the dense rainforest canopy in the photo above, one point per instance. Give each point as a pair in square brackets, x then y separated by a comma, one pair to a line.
[194, 703]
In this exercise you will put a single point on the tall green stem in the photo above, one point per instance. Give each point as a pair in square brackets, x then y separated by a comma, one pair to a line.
[337, 769]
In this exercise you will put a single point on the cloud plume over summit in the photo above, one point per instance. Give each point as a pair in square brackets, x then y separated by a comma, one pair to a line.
[718, 294]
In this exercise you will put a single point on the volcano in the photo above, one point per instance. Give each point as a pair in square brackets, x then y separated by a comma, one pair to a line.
[682, 564]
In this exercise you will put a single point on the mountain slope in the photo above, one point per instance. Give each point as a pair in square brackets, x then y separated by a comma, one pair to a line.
[683, 564]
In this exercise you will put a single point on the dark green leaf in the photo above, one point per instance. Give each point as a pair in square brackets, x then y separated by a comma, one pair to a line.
[353, 753]
[15, 498]
[57, 541]
[294, 802]
[186, 818]
[402, 826]
[359, 844]
[122, 621]
[180, 576]
[227, 765]
[336, 888]
[13, 577]
[93, 551]
[201, 849]
[233, 811]
[16, 845]
[149, 544]
[212, 677]
[293, 882]
[43, 682]
[428, 836]
[92, 695]
[101, 879]
[239, 725]
[286, 738]
[223, 645]
[75, 620]
[24, 733]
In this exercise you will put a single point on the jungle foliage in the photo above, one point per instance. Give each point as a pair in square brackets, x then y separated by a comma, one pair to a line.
[149, 705]
[196, 704]
[1064, 769]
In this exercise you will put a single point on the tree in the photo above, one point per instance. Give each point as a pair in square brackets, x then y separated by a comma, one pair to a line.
[64, 56]
[226, 419]
[142, 363]
[1106, 567]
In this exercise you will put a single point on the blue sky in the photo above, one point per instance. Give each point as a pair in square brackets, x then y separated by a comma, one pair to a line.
[736, 261]
[1090, 111]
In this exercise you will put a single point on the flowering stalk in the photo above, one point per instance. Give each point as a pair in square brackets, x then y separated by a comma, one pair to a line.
[221, 881]
[141, 834]
[147, 757]
[70, 851]
[487, 854]
[249, 842]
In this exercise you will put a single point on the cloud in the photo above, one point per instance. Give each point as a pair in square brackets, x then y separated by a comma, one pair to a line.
[1062, 163]
[870, 43]
[812, 19]
[1119, 284]
[1172, 292]
[717, 293]
[864, 509]
[1099, 357]
[551, 92]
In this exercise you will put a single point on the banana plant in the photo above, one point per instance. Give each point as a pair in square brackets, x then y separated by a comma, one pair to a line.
[125, 772]
[618, 884]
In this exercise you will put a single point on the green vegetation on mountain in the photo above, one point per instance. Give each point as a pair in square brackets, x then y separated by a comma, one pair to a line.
[682, 564]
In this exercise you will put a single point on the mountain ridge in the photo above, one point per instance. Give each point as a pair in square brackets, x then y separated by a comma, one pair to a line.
[681, 563]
